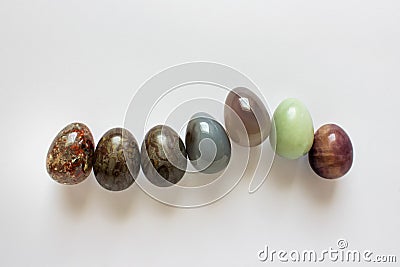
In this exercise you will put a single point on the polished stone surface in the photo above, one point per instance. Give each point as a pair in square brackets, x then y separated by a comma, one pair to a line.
[163, 156]
[331, 155]
[70, 156]
[116, 160]
[243, 107]
[207, 144]
[292, 129]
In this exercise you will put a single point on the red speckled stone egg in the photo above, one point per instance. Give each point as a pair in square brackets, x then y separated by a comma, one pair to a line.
[331, 155]
[70, 157]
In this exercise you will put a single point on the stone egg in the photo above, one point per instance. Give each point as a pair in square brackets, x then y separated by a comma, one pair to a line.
[116, 160]
[163, 156]
[245, 108]
[292, 132]
[331, 155]
[70, 156]
[207, 144]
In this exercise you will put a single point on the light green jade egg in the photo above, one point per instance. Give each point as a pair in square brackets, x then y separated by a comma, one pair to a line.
[292, 132]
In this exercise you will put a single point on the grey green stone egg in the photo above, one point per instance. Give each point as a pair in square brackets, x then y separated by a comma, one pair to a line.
[207, 144]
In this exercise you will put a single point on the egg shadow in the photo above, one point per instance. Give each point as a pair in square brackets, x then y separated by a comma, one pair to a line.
[253, 162]
[320, 189]
[74, 198]
[163, 208]
[117, 204]
[283, 172]
[156, 199]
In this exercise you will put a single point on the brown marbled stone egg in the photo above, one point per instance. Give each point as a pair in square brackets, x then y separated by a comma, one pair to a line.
[331, 154]
[70, 156]
[116, 160]
[245, 108]
[163, 156]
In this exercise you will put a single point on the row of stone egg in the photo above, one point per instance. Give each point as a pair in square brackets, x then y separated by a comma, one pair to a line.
[330, 151]
[116, 160]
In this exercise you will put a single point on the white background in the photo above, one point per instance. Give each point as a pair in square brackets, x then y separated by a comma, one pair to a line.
[64, 61]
